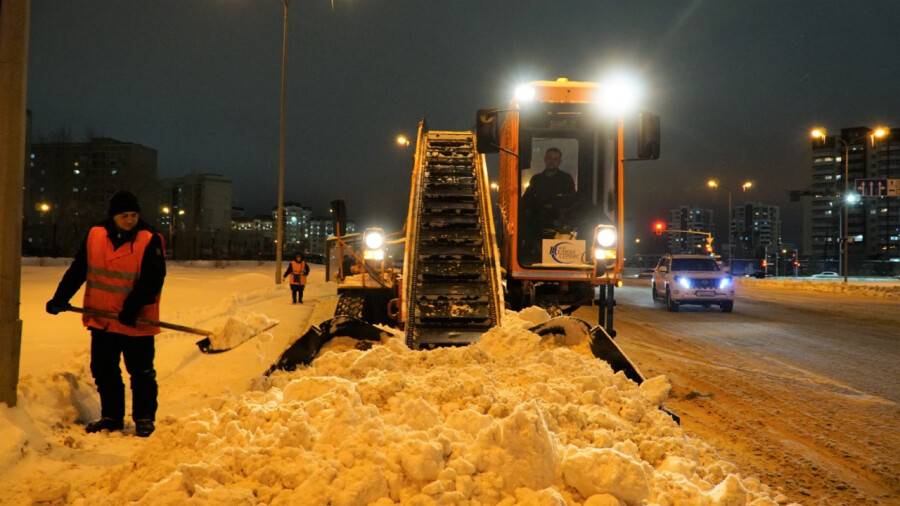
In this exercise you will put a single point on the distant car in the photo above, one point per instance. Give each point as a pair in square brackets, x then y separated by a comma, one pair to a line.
[826, 275]
[692, 279]
[645, 274]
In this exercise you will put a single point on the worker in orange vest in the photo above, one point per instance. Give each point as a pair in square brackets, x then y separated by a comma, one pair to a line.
[297, 270]
[122, 260]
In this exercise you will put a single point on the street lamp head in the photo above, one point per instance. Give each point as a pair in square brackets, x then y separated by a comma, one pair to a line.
[402, 141]
[880, 132]
[712, 183]
[495, 186]
[747, 185]
[852, 198]
[181, 212]
[818, 133]
[43, 207]
[166, 210]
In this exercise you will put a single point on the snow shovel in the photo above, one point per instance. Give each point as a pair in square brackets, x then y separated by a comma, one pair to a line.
[205, 344]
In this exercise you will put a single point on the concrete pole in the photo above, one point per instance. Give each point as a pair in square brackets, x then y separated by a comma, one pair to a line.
[13, 77]
[279, 214]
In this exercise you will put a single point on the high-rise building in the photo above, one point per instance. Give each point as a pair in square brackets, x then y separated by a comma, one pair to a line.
[320, 229]
[196, 215]
[873, 222]
[755, 227]
[689, 218]
[252, 238]
[68, 185]
[296, 227]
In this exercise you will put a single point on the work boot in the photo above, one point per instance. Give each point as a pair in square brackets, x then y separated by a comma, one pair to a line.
[107, 424]
[143, 428]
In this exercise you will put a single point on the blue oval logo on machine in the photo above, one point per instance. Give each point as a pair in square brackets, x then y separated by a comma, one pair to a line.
[564, 253]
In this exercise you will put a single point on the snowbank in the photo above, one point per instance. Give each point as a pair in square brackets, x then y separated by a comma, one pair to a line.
[888, 289]
[513, 419]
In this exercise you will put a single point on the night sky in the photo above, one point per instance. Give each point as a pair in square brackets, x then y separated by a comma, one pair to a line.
[737, 84]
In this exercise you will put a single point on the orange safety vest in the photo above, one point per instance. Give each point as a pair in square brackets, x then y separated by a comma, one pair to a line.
[297, 277]
[111, 274]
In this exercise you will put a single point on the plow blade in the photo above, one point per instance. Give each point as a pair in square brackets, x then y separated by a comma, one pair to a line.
[602, 345]
[305, 349]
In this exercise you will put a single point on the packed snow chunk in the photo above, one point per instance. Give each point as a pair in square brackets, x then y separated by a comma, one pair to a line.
[239, 329]
[520, 449]
[656, 389]
[602, 500]
[605, 471]
[534, 314]
[730, 492]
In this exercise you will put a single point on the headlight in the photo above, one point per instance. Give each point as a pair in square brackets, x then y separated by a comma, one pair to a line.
[604, 254]
[684, 282]
[606, 236]
[374, 238]
[724, 283]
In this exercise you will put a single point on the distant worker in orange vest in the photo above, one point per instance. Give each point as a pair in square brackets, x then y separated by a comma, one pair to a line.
[123, 262]
[297, 270]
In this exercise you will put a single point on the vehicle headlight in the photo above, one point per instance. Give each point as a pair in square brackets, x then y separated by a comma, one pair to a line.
[606, 236]
[374, 238]
[684, 282]
[724, 283]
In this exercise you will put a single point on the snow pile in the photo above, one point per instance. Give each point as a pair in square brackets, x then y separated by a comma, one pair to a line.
[889, 289]
[240, 328]
[514, 419]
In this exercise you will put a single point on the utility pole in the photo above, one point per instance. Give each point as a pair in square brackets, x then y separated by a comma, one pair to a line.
[279, 213]
[13, 77]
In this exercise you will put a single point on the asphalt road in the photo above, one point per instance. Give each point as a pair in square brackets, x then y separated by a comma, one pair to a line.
[854, 341]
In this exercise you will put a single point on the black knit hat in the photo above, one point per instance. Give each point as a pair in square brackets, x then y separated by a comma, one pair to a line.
[123, 202]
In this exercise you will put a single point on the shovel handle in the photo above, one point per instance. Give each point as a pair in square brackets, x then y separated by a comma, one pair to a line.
[165, 325]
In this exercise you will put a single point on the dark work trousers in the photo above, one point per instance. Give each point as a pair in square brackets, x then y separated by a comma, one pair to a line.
[106, 348]
[297, 293]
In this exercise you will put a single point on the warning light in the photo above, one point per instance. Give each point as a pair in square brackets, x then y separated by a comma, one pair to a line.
[659, 227]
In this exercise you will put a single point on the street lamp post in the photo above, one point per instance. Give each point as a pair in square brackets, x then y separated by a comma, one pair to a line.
[746, 185]
[171, 213]
[279, 214]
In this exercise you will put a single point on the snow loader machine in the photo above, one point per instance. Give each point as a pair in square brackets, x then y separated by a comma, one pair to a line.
[554, 245]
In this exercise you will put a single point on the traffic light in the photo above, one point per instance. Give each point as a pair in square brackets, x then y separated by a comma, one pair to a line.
[659, 227]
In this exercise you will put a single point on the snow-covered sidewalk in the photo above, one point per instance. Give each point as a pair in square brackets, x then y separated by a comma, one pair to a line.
[514, 419]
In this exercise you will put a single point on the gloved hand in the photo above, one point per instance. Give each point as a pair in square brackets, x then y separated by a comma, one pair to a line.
[55, 307]
[128, 317]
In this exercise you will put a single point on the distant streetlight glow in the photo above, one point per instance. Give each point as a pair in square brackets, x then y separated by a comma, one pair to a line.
[637, 240]
[880, 132]
[818, 133]
[619, 95]
[524, 93]
[402, 141]
[181, 212]
[747, 185]
[43, 207]
[166, 210]
[712, 183]
[852, 198]
[494, 186]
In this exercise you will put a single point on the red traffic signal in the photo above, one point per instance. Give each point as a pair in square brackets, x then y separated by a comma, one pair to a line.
[659, 227]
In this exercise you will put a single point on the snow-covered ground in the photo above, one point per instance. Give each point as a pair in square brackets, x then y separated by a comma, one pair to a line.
[511, 420]
[872, 287]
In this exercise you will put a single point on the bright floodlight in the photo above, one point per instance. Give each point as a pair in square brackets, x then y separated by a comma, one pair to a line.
[524, 93]
[817, 133]
[619, 95]
[374, 239]
[852, 198]
[606, 237]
